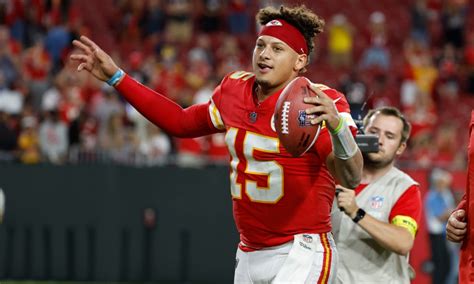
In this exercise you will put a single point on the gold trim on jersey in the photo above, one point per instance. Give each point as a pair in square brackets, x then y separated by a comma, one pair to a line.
[216, 116]
[244, 75]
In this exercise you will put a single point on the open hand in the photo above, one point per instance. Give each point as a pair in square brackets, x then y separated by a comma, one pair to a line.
[93, 59]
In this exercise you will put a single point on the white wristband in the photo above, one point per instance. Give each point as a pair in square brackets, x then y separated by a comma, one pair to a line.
[343, 143]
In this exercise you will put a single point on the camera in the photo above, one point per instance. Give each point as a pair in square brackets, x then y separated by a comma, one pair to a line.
[368, 143]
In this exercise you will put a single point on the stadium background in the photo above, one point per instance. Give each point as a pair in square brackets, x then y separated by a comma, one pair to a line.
[96, 193]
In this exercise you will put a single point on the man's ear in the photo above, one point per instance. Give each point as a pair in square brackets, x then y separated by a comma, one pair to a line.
[300, 63]
[401, 148]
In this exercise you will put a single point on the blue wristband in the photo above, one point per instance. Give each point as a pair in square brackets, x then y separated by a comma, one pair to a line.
[115, 78]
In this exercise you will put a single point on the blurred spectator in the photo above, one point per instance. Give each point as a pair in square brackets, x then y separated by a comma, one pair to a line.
[377, 54]
[135, 61]
[189, 152]
[129, 27]
[448, 153]
[28, 141]
[424, 71]
[83, 132]
[179, 24]
[199, 64]
[229, 55]
[156, 146]
[57, 39]
[8, 137]
[11, 100]
[454, 20]
[211, 18]
[239, 18]
[378, 28]
[217, 152]
[53, 138]
[52, 97]
[9, 57]
[340, 41]
[419, 21]
[118, 141]
[37, 65]
[153, 19]
[439, 203]
[409, 91]
[106, 105]
[355, 90]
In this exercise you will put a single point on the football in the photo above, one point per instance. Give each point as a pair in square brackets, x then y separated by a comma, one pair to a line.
[292, 124]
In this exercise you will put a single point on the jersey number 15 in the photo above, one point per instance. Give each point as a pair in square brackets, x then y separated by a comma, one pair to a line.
[272, 170]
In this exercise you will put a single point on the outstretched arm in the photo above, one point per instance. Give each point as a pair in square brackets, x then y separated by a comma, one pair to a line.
[191, 122]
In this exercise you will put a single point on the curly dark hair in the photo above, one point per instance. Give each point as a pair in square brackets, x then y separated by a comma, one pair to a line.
[302, 18]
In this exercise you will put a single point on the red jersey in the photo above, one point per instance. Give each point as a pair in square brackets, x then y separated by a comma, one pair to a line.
[466, 261]
[275, 195]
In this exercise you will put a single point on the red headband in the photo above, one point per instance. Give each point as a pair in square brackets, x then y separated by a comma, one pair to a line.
[287, 33]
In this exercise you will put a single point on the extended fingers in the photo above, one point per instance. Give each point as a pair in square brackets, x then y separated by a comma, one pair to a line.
[79, 57]
[86, 62]
[84, 48]
[87, 41]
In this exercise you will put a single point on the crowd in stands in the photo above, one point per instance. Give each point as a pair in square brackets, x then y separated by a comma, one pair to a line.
[416, 55]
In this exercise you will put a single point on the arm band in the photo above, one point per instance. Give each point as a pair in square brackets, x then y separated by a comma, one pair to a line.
[343, 143]
[115, 78]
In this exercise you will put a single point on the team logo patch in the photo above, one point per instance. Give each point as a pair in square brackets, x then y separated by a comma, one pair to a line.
[376, 202]
[274, 23]
[304, 119]
[308, 239]
[253, 117]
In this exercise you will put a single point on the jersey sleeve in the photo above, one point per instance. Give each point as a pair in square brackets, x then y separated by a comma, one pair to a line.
[213, 108]
[193, 121]
[407, 210]
[462, 204]
[324, 144]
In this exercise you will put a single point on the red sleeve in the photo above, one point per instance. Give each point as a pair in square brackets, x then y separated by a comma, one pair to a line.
[193, 121]
[462, 204]
[409, 204]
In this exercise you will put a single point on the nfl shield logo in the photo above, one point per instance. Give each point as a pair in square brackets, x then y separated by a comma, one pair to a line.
[304, 119]
[376, 202]
[308, 239]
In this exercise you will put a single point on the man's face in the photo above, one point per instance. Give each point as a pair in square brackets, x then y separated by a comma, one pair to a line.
[274, 62]
[389, 130]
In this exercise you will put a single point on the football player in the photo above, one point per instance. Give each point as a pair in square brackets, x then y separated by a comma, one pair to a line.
[281, 204]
